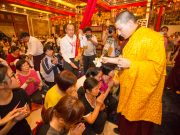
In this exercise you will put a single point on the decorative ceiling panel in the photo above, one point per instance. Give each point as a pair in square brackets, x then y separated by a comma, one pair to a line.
[70, 7]
[119, 2]
[74, 2]
[49, 7]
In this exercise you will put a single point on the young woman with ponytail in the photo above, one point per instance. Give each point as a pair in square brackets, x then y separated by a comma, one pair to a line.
[64, 118]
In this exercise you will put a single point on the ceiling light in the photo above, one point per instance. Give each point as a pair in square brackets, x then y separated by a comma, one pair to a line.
[3, 6]
[28, 8]
[82, 4]
[24, 10]
[65, 3]
[14, 8]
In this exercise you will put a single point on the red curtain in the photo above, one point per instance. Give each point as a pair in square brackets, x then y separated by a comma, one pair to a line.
[91, 5]
[158, 25]
[90, 8]
[77, 45]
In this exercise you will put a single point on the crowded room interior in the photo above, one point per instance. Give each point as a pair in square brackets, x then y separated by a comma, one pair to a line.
[89, 67]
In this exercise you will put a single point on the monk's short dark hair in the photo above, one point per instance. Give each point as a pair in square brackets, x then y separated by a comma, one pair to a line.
[125, 16]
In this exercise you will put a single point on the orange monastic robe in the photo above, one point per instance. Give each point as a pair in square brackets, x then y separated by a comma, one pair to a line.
[142, 84]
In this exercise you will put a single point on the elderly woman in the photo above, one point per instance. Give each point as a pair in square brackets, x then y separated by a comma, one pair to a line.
[29, 80]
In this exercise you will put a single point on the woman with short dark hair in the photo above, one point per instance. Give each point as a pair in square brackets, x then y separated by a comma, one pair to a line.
[49, 65]
[94, 72]
[29, 80]
[95, 116]
[65, 84]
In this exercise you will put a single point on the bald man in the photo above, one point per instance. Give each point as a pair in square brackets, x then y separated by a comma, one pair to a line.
[68, 48]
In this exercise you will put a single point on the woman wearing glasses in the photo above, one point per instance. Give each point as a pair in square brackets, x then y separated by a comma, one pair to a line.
[13, 102]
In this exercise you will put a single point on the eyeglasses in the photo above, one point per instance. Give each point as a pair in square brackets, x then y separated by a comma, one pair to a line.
[12, 75]
[10, 78]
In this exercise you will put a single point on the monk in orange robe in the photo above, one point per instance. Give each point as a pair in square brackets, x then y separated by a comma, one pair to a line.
[142, 76]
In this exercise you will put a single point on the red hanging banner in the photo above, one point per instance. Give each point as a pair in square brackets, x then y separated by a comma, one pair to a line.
[91, 6]
[158, 24]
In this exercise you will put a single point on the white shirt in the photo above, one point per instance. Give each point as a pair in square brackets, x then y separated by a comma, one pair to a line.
[58, 40]
[91, 48]
[35, 47]
[68, 47]
[80, 82]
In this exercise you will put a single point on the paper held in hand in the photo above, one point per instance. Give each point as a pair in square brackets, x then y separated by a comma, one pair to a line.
[98, 62]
